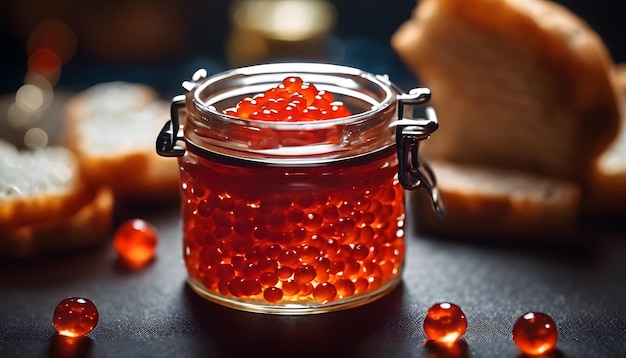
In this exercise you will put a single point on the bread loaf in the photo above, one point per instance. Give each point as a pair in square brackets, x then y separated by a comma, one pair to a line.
[607, 196]
[39, 185]
[112, 128]
[517, 84]
[528, 102]
[45, 206]
[489, 202]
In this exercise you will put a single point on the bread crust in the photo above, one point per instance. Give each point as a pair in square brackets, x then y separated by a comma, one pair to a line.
[45, 205]
[519, 84]
[31, 201]
[112, 128]
[607, 192]
[489, 202]
[87, 227]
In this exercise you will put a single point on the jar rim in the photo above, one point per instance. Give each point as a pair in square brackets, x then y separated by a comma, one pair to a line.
[339, 79]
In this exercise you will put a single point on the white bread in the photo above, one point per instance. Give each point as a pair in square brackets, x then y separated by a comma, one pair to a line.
[517, 84]
[44, 204]
[497, 203]
[607, 196]
[88, 227]
[39, 185]
[112, 128]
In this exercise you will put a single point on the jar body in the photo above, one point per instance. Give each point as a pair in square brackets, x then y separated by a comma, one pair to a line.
[292, 218]
[292, 240]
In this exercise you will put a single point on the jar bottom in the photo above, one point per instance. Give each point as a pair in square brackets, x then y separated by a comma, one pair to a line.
[294, 308]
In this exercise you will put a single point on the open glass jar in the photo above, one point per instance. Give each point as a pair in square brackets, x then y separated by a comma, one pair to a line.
[296, 217]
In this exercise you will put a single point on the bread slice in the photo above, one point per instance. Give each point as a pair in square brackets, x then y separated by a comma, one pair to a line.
[517, 84]
[607, 196]
[88, 227]
[44, 204]
[488, 202]
[39, 185]
[112, 128]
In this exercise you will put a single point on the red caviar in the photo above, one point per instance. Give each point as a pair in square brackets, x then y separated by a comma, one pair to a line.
[445, 322]
[535, 333]
[292, 235]
[278, 241]
[135, 241]
[293, 100]
[75, 317]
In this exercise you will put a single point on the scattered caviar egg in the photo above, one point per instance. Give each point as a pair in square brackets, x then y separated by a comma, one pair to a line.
[535, 333]
[75, 317]
[445, 322]
[135, 241]
[292, 100]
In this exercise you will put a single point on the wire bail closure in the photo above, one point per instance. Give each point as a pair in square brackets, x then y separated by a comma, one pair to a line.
[409, 132]
[166, 142]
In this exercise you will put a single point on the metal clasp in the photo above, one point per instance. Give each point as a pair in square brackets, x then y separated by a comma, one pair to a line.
[413, 174]
[166, 142]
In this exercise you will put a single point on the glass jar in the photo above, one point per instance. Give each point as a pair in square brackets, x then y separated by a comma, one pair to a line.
[300, 217]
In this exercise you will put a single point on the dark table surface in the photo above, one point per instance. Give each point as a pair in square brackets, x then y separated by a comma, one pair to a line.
[151, 312]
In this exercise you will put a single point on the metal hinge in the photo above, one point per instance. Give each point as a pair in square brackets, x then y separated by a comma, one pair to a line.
[413, 174]
[167, 140]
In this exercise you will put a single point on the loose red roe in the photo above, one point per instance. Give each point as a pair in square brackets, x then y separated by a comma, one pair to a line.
[135, 241]
[293, 100]
[75, 317]
[535, 333]
[445, 322]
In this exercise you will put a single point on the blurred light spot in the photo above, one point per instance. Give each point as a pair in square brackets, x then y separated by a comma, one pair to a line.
[286, 20]
[36, 138]
[29, 97]
[55, 36]
[45, 62]
[43, 84]
[17, 116]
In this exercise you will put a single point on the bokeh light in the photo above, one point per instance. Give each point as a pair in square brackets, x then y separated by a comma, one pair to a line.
[51, 43]
[29, 97]
[45, 62]
[36, 138]
[55, 36]
[283, 20]
[264, 30]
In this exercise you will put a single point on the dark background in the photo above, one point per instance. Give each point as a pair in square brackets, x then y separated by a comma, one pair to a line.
[198, 32]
